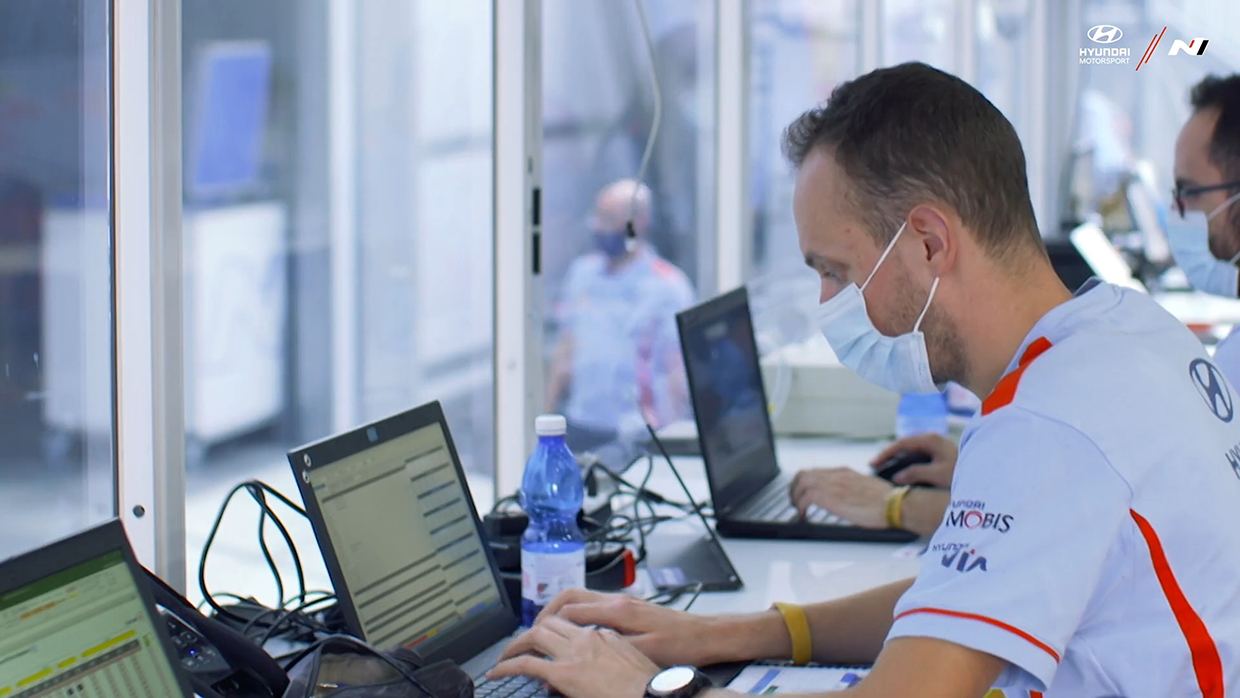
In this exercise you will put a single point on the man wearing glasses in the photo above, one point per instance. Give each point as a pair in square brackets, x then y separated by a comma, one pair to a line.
[1204, 227]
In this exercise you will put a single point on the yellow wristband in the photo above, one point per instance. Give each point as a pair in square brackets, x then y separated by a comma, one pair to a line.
[798, 629]
[895, 507]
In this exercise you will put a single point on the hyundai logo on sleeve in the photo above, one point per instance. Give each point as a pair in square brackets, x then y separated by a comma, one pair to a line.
[1212, 388]
[1105, 34]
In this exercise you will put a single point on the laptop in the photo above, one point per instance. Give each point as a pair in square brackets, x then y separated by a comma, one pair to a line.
[749, 491]
[77, 619]
[403, 545]
[1101, 256]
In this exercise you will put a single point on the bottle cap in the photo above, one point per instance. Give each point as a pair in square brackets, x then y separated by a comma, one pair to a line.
[550, 425]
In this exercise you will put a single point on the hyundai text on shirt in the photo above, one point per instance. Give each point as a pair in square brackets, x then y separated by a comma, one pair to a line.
[1093, 538]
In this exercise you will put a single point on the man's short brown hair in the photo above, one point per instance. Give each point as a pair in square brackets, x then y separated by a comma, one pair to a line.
[912, 134]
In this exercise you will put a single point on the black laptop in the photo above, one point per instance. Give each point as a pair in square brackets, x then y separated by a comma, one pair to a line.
[403, 544]
[77, 619]
[749, 491]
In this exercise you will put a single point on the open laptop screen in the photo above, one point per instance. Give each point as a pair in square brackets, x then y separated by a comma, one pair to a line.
[729, 401]
[402, 528]
[84, 631]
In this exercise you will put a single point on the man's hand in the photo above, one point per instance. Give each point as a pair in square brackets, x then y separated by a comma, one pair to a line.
[862, 499]
[578, 662]
[937, 473]
[667, 637]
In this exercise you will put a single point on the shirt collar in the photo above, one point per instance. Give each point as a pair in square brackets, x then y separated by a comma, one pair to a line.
[1064, 318]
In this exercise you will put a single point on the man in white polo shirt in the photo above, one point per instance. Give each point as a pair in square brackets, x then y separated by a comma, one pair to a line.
[1203, 226]
[1091, 547]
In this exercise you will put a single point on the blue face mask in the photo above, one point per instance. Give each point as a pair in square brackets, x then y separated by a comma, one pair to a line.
[899, 364]
[611, 243]
[1189, 239]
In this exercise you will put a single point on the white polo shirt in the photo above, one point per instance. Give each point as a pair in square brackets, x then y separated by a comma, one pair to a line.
[1093, 538]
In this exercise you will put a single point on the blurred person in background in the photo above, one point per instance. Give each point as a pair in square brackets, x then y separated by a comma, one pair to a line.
[618, 359]
[1203, 227]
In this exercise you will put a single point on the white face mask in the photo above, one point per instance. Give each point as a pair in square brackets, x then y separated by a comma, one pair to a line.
[899, 364]
[1189, 238]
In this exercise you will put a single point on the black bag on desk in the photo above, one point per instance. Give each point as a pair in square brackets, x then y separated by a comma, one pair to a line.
[344, 667]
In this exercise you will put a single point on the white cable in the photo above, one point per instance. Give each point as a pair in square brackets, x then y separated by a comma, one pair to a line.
[630, 231]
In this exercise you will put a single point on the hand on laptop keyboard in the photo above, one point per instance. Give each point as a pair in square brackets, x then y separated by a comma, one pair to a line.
[577, 661]
[843, 492]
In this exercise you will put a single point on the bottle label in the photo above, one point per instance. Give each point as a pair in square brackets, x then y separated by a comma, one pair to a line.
[544, 575]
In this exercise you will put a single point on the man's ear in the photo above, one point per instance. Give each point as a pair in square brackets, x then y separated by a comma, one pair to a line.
[936, 236]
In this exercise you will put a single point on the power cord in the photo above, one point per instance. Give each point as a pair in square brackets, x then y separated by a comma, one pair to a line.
[292, 614]
[630, 235]
[671, 595]
[258, 491]
[307, 622]
[250, 615]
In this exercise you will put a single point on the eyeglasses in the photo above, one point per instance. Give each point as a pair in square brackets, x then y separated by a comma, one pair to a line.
[1181, 193]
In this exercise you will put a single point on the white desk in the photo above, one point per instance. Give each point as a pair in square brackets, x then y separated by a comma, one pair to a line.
[795, 571]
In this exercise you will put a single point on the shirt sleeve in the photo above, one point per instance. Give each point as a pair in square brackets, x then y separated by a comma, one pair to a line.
[1036, 508]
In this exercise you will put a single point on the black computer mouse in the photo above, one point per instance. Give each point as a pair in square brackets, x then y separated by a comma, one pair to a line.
[899, 461]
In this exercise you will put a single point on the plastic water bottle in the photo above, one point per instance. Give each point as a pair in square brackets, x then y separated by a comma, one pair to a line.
[553, 550]
[921, 414]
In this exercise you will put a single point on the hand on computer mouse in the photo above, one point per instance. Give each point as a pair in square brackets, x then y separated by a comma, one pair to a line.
[938, 472]
[860, 498]
[577, 662]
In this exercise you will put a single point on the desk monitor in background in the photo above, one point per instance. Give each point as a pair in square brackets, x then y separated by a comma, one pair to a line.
[76, 621]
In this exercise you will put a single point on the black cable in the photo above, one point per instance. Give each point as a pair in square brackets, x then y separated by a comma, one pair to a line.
[696, 593]
[254, 622]
[289, 613]
[278, 495]
[671, 595]
[262, 545]
[641, 491]
[225, 594]
[257, 491]
[202, 561]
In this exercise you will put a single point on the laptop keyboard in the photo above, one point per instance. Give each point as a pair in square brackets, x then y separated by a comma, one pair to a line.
[774, 503]
[511, 687]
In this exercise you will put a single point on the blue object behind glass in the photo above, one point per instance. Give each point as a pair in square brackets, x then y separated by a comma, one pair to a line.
[234, 89]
